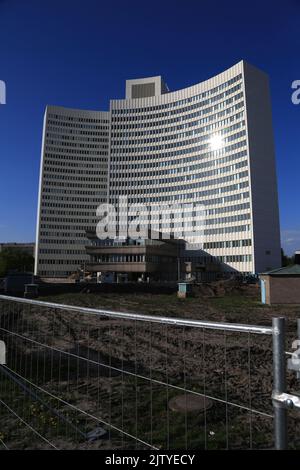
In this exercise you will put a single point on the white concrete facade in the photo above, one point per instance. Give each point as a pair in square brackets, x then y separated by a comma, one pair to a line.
[73, 182]
[161, 151]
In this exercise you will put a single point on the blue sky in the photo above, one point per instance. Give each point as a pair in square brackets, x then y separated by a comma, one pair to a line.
[79, 53]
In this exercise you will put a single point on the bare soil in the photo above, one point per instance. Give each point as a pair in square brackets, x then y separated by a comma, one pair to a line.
[129, 371]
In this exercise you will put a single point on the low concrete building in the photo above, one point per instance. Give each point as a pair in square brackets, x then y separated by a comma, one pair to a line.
[282, 286]
[134, 260]
[148, 259]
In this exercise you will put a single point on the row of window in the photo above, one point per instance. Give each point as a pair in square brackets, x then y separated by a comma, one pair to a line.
[178, 135]
[182, 153]
[73, 262]
[227, 244]
[158, 212]
[223, 230]
[85, 216]
[181, 224]
[187, 117]
[234, 208]
[57, 191]
[90, 222]
[174, 164]
[152, 148]
[71, 177]
[128, 132]
[229, 219]
[136, 198]
[235, 258]
[201, 112]
[76, 145]
[96, 164]
[225, 105]
[225, 199]
[212, 211]
[63, 241]
[129, 178]
[66, 184]
[68, 171]
[179, 187]
[88, 200]
[60, 131]
[63, 117]
[56, 152]
[172, 145]
[56, 273]
[178, 104]
[53, 157]
[73, 125]
[76, 151]
[114, 258]
[89, 206]
[56, 235]
[101, 137]
[59, 251]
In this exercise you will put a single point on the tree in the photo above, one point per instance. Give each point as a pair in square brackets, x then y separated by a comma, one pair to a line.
[286, 260]
[15, 259]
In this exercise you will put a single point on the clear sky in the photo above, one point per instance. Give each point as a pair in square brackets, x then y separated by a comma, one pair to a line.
[78, 53]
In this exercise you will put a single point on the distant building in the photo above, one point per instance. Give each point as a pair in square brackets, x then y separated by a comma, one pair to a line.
[28, 248]
[282, 286]
[209, 145]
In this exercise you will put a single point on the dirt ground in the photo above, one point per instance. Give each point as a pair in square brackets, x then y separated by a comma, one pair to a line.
[218, 301]
[128, 371]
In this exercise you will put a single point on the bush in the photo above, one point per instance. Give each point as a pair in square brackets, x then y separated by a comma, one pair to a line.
[15, 259]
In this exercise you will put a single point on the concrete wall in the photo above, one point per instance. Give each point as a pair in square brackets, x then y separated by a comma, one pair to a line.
[263, 181]
[282, 290]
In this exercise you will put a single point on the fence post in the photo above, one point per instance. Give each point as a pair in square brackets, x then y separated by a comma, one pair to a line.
[279, 382]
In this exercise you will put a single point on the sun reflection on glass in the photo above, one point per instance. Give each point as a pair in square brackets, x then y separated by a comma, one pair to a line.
[216, 142]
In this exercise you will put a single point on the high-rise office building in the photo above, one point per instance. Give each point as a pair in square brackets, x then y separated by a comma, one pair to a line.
[73, 182]
[209, 146]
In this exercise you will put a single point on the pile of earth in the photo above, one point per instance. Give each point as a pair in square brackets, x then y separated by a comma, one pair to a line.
[224, 287]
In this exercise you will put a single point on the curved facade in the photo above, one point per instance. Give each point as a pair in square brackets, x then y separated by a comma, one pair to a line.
[73, 182]
[208, 146]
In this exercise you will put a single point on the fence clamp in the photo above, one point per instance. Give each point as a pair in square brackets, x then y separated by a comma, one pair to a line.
[285, 400]
[294, 363]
